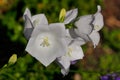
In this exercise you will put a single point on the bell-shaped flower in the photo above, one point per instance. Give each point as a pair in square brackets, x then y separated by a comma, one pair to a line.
[87, 29]
[98, 24]
[47, 42]
[74, 52]
[32, 21]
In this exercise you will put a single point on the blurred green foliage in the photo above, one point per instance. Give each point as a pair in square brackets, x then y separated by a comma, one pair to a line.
[26, 67]
[112, 38]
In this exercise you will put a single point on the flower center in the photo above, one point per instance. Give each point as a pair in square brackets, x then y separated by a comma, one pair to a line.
[45, 42]
[36, 22]
[70, 51]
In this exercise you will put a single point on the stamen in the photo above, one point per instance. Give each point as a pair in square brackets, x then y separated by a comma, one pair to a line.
[45, 42]
[70, 51]
[36, 22]
[96, 27]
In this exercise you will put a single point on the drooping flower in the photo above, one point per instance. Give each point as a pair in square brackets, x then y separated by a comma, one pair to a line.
[88, 27]
[47, 42]
[98, 24]
[32, 21]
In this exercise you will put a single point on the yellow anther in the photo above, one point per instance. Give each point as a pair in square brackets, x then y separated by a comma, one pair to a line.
[70, 51]
[45, 42]
[96, 27]
[36, 22]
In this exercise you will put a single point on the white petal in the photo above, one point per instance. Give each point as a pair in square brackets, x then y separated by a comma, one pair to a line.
[76, 53]
[61, 44]
[65, 62]
[98, 21]
[58, 29]
[43, 54]
[39, 19]
[28, 13]
[84, 24]
[28, 27]
[95, 37]
[69, 39]
[81, 37]
[60, 36]
[70, 16]
[68, 33]
[72, 36]
[84, 36]
[39, 30]
[79, 41]
[48, 54]
[73, 33]
[64, 71]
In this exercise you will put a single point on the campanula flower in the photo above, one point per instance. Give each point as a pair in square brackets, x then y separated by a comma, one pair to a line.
[47, 42]
[88, 27]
